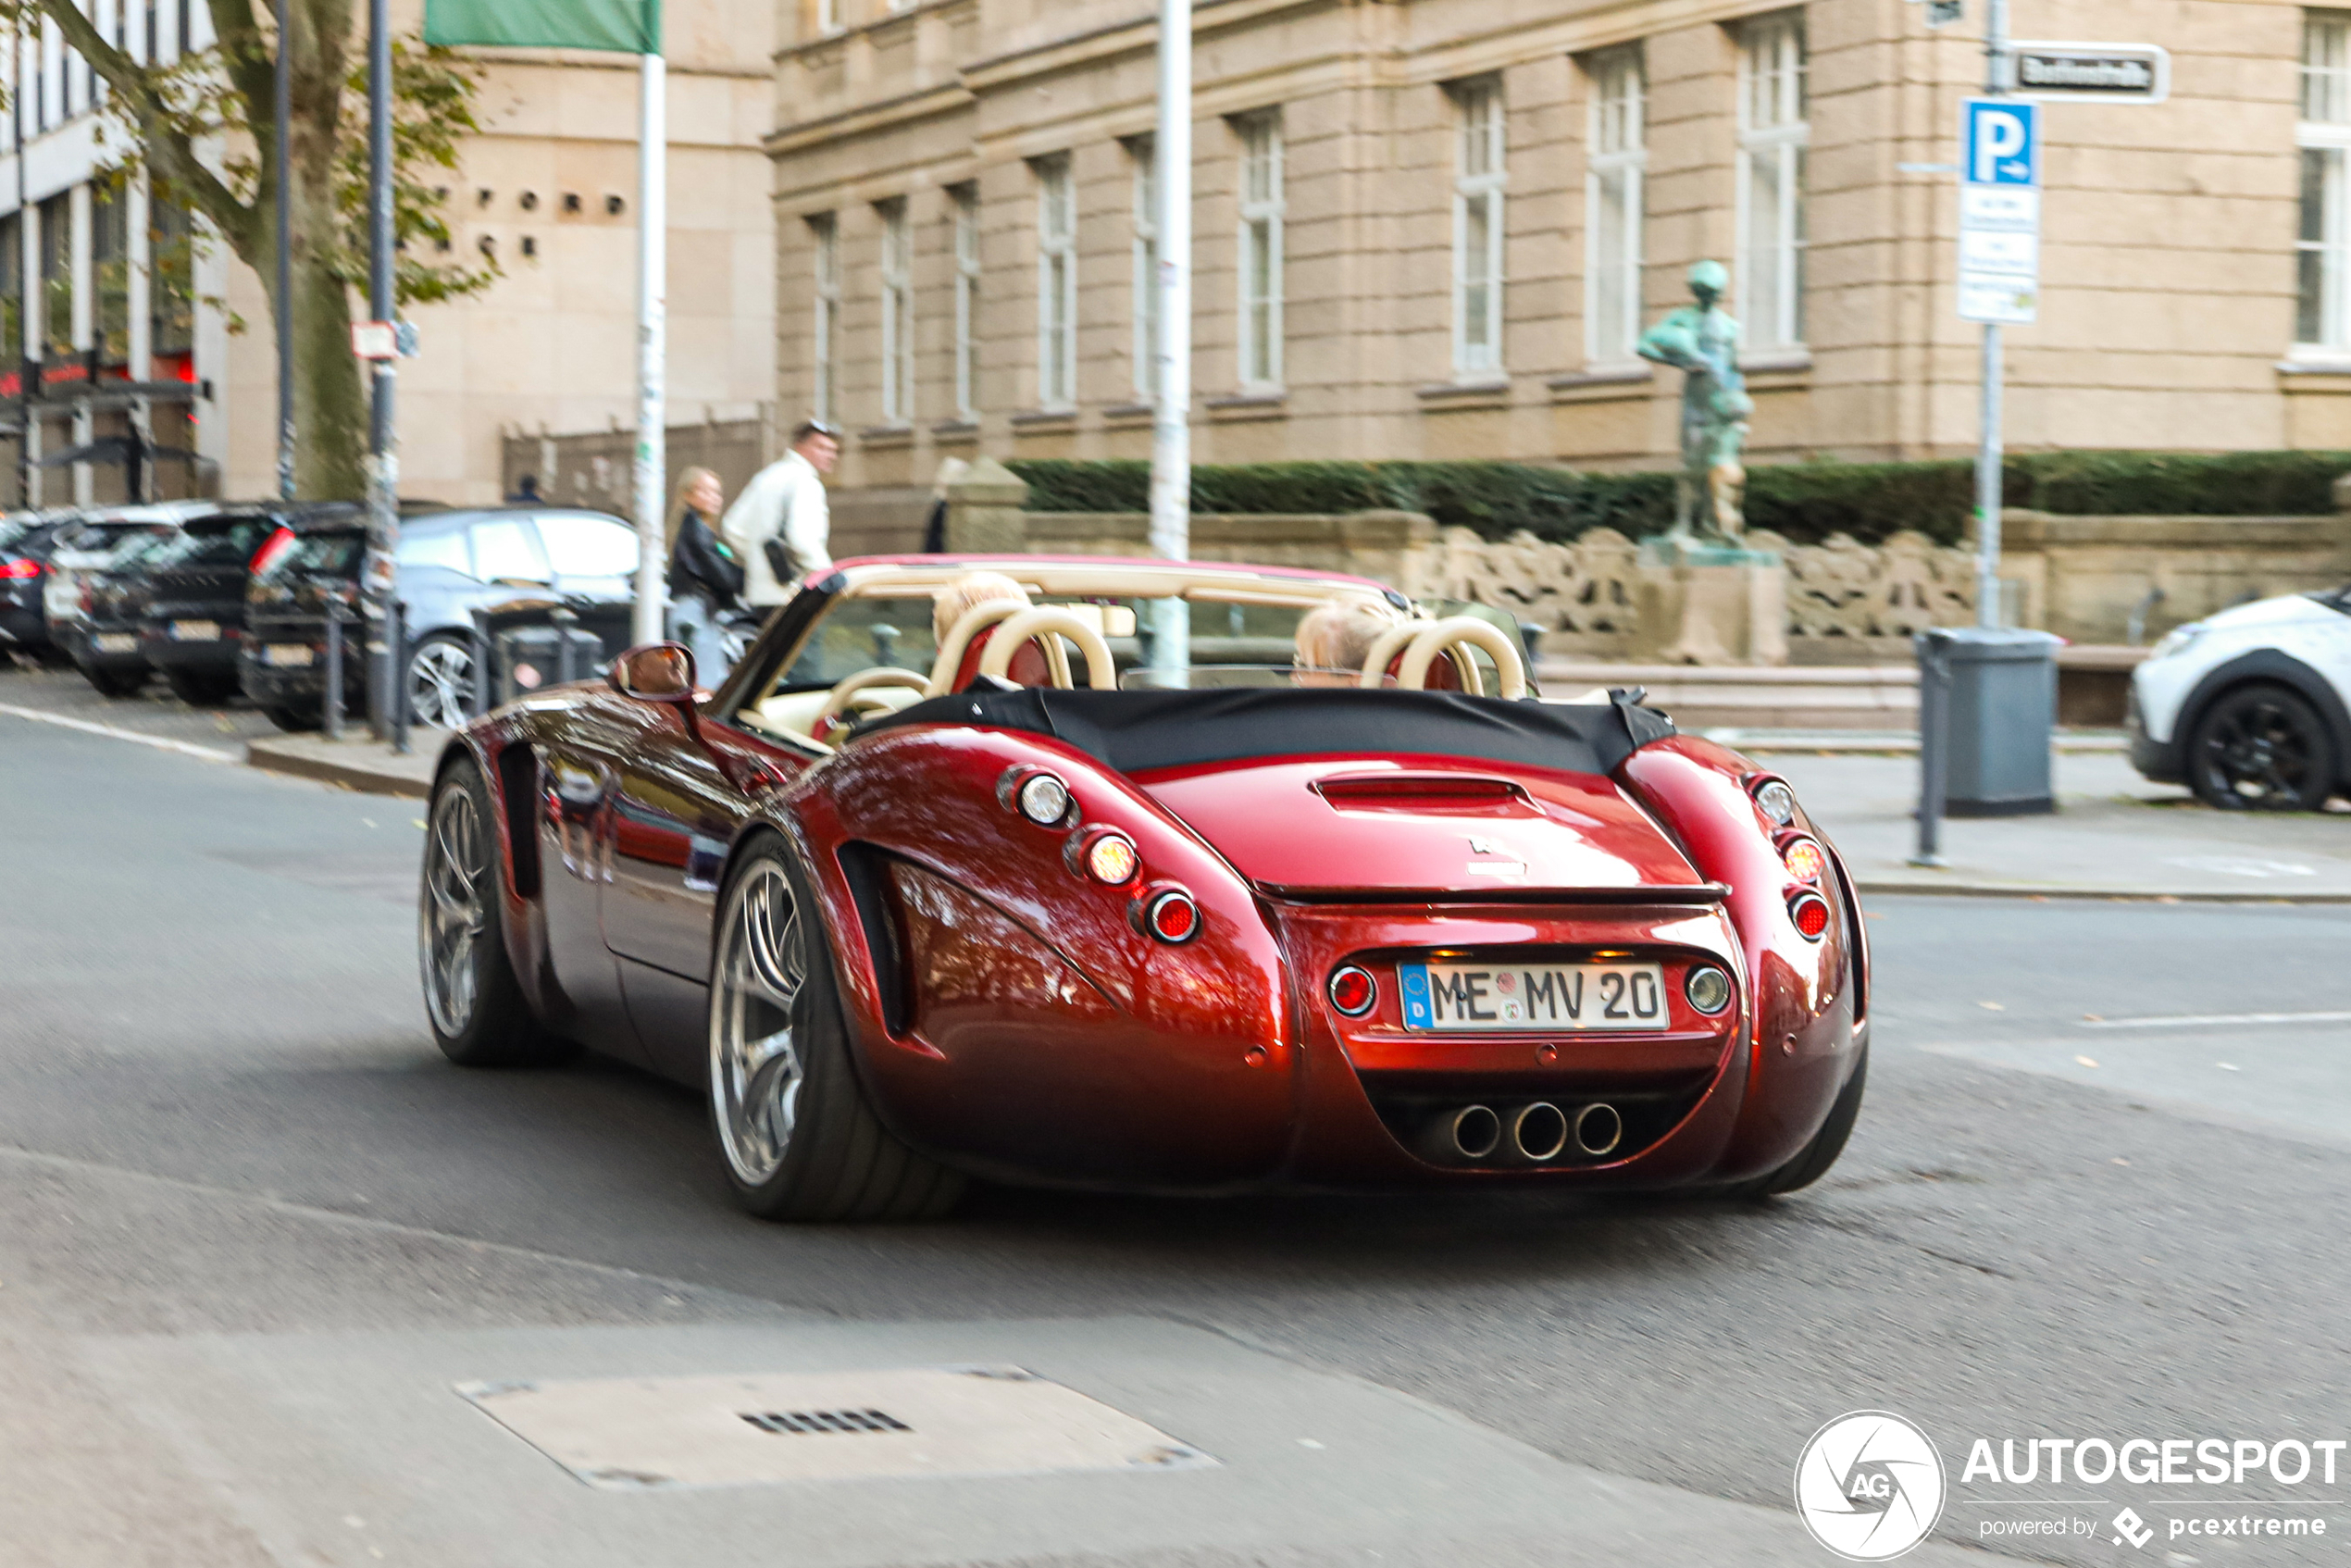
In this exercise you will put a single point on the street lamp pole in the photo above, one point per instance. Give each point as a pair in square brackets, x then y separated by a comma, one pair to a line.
[283, 195]
[379, 577]
[1989, 450]
[1171, 524]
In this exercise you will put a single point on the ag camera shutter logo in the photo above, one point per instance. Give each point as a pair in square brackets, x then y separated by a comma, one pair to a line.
[1868, 1486]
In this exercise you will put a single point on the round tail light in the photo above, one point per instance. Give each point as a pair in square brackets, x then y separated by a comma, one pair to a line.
[1777, 801]
[1111, 858]
[1172, 916]
[1810, 912]
[1043, 799]
[1353, 991]
[1708, 988]
[1805, 859]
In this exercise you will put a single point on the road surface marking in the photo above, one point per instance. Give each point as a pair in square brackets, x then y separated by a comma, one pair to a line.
[2208, 1020]
[187, 748]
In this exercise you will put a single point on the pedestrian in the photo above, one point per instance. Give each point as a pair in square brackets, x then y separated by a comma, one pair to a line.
[935, 524]
[526, 493]
[705, 582]
[780, 527]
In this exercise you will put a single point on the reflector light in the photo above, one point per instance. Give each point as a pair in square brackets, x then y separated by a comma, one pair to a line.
[1173, 917]
[1708, 988]
[272, 551]
[1777, 801]
[1353, 991]
[1111, 858]
[19, 571]
[1804, 859]
[1044, 800]
[1810, 912]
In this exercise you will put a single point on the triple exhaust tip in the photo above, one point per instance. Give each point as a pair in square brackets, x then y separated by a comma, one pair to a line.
[1532, 1134]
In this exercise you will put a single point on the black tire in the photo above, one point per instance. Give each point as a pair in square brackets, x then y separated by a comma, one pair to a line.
[834, 1159]
[201, 688]
[117, 682]
[294, 721]
[2261, 747]
[472, 997]
[1812, 1161]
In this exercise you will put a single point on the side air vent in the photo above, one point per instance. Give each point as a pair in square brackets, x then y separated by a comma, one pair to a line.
[518, 789]
[866, 870]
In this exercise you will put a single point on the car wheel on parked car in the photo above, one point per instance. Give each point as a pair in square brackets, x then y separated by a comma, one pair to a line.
[294, 721]
[473, 998]
[440, 681]
[2261, 747]
[201, 688]
[117, 682]
[800, 1140]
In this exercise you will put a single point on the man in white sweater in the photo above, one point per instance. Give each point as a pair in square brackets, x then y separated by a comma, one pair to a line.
[784, 506]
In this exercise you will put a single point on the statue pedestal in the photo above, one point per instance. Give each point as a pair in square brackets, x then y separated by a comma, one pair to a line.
[1711, 604]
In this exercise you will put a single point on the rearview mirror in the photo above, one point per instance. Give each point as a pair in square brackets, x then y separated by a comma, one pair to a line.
[655, 672]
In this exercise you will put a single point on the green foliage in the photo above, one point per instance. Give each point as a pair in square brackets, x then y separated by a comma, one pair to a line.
[1803, 502]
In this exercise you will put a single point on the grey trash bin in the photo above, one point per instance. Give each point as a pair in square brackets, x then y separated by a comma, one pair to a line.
[1987, 705]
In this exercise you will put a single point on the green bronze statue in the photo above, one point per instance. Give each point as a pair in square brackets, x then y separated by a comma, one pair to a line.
[1702, 340]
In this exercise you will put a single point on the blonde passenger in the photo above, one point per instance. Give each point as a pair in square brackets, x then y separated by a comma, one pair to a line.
[1334, 639]
[967, 593]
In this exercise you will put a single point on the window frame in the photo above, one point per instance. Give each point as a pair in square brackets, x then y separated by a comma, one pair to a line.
[964, 220]
[897, 287]
[1056, 283]
[1779, 135]
[2323, 128]
[824, 229]
[1142, 158]
[1479, 115]
[1262, 209]
[1618, 152]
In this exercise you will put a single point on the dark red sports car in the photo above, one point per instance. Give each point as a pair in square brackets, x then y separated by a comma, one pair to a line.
[1106, 872]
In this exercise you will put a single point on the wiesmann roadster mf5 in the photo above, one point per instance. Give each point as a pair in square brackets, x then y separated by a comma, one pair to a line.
[942, 883]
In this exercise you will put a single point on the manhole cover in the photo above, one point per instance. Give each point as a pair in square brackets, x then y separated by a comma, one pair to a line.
[632, 1433]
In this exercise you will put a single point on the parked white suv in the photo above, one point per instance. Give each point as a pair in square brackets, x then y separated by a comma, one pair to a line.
[2251, 707]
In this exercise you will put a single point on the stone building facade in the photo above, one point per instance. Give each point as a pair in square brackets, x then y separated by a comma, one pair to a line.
[1430, 229]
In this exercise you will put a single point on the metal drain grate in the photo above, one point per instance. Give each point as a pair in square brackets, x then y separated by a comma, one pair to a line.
[828, 1421]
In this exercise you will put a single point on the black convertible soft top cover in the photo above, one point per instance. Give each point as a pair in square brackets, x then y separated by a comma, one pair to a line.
[1132, 731]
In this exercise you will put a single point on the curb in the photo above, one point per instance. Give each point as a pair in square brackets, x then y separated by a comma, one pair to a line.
[1867, 887]
[272, 757]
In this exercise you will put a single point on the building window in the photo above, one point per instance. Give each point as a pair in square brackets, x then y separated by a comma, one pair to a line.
[1613, 208]
[1478, 227]
[57, 277]
[1056, 285]
[1260, 251]
[898, 315]
[11, 289]
[1772, 136]
[110, 272]
[824, 232]
[965, 200]
[172, 287]
[827, 16]
[2322, 244]
[1139, 153]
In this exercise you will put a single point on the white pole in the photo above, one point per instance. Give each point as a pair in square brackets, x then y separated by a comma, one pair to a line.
[1988, 452]
[652, 306]
[1171, 533]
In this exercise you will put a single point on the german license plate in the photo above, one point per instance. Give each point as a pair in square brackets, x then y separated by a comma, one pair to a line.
[287, 655]
[116, 643]
[195, 632]
[1463, 998]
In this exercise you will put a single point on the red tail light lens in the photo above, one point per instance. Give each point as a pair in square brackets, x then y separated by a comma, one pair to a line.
[1805, 859]
[1353, 991]
[19, 571]
[1172, 916]
[1810, 912]
[273, 550]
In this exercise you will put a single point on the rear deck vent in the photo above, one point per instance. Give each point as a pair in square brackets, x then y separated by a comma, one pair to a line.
[1424, 792]
[827, 1420]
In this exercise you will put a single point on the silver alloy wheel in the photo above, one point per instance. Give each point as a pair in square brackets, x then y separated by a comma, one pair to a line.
[453, 913]
[755, 1072]
[440, 685]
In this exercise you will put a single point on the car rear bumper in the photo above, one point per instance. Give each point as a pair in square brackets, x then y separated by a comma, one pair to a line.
[217, 654]
[22, 625]
[86, 643]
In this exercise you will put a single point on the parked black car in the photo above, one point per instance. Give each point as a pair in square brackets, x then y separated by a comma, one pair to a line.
[189, 594]
[24, 570]
[103, 638]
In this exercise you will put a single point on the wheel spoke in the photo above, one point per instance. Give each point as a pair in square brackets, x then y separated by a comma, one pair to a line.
[756, 1073]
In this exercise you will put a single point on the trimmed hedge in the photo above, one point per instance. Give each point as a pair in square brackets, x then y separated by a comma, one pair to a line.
[1803, 502]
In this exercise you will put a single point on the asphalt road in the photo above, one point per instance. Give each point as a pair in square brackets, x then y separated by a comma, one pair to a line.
[253, 1228]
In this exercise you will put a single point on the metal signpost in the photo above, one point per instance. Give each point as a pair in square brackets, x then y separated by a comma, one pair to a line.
[1999, 282]
[1171, 526]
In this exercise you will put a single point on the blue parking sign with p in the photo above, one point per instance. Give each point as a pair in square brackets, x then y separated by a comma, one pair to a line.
[2001, 139]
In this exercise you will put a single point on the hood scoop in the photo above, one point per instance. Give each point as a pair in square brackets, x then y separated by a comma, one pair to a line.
[1337, 829]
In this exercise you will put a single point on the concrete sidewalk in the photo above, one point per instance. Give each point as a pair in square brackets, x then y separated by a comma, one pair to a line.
[370, 766]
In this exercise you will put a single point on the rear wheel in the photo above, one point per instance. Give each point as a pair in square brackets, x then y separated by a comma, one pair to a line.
[201, 688]
[472, 996]
[117, 682]
[800, 1140]
[2261, 747]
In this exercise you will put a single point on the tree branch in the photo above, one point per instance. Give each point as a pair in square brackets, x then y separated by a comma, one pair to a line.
[167, 146]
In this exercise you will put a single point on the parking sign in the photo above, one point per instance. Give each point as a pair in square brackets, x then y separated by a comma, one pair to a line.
[1999, 210]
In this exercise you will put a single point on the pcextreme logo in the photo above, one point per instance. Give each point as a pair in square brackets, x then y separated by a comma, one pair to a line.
[1868, 1486]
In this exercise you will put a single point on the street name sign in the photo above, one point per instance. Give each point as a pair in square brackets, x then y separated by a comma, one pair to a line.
[2097, 73]
[1999, 210]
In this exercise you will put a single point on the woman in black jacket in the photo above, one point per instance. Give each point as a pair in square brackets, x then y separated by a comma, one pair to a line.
[705, 582]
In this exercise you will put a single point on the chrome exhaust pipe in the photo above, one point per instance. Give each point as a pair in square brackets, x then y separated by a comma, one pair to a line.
[1539, 1132]
[1599, 1129]
[1472, 1132]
